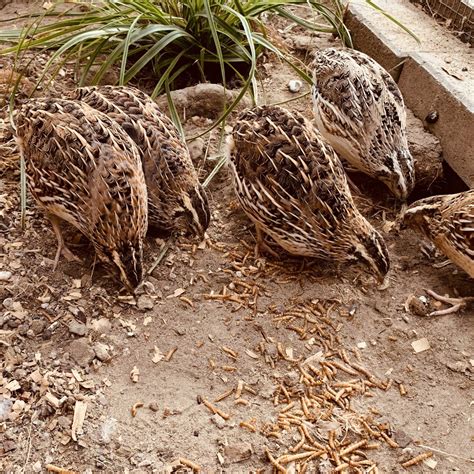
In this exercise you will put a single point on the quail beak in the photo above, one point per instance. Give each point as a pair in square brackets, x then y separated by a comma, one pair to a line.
[384, 282]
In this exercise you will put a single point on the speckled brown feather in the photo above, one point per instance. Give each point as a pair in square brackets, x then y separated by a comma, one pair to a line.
[177, 201]
[83, 168]
[448, 221]
[293, 187]
[359, 110]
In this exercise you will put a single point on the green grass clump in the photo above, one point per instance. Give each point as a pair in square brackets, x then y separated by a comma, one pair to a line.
[210, 40]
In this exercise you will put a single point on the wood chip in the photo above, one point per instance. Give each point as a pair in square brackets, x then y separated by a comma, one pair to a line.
[421, 345]
[52, 400]
[80, 409]
[431, 463]
[177, 292]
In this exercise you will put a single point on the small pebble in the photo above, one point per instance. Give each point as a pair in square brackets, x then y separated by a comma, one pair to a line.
[218, 421]
[81, 352]
[238, 452]
[295, 85]
[5, 276]
[77, 328]
[145, 302]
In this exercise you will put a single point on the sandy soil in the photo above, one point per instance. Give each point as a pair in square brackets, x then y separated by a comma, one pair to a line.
[301, 349]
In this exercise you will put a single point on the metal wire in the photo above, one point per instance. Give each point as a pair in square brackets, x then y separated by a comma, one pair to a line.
[457, 15]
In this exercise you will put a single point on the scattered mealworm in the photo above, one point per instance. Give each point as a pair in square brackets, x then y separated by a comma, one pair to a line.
[343, 367]
[215, 410]
[186, 462]
[389, 440]
[353, 447]
[230, 352]
[250, 390]
[241, 401]
[246, 424]
[240, 387]
[59, 470]
[287, 458]
[224, 395]
[170, 354]
[285, 392]
[288, 407]
[372, 446]
[402, 389]
[229, 368]
[300, 443]
[417, 459]
[187, 301]
[135, 408]
[305, 408]
[275, 463]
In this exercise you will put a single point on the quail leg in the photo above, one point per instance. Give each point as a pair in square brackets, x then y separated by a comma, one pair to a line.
[62, 249]
[261, 245]
[457, 304]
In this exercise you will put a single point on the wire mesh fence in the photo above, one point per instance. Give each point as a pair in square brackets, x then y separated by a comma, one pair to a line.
[457, 15]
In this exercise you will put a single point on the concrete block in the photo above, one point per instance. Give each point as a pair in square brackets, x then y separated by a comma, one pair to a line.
[427, 88]
[371, 40]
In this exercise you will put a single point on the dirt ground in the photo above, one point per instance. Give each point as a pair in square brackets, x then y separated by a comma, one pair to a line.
[225, 361]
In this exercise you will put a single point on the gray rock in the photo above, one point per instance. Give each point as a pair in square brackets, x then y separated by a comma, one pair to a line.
[237, 452]
[81, 352]
[402, 438]
[459, 366]
[101, 326]
[218, 421]
[145, 302]
[196, 149]
[77, 328]
[38, 326]
[102, 351]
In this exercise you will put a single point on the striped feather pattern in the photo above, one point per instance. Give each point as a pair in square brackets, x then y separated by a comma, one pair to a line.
[448, 221]
[293, 187]
[83, 168]
[359, 110]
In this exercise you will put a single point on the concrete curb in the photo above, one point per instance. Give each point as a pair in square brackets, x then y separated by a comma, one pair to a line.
[425, 88]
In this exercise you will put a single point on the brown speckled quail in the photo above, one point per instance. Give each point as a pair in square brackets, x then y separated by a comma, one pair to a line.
[448, 221]
[293, 187]
[360, 111]
[84, 169]
[176, 199]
